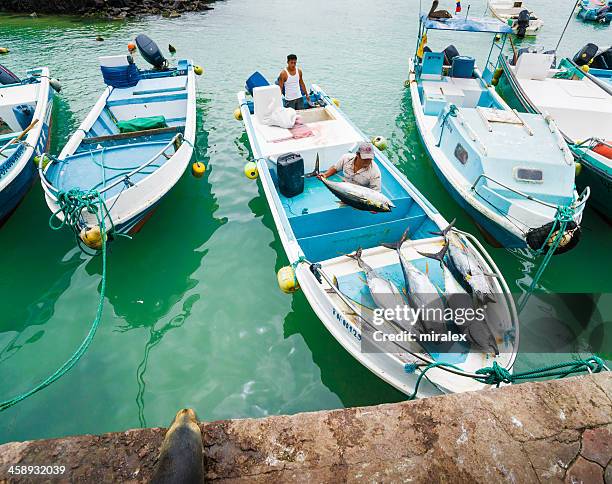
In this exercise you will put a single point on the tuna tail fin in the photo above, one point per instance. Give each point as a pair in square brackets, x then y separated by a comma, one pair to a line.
[398, 245]
[356, 255]
[446, 230]
[315, 172]
[439, 256]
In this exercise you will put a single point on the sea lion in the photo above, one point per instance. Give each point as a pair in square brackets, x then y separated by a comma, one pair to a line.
[180, 455]
[436, 14]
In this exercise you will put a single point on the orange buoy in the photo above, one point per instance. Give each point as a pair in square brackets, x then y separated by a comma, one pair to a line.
[131, 47]
[604, 150]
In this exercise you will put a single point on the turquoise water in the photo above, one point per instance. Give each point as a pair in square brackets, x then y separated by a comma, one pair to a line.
[193, 316]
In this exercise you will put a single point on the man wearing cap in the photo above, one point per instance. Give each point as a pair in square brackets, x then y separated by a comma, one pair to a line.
[358, 168]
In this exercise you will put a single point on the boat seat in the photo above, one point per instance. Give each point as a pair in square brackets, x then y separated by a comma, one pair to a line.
[431, 68]
[533, 66]
[133, 134]
[463, 67]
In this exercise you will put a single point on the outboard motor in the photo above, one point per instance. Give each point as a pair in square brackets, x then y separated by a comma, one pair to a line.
[522, 23]
[7, 77]
[585, 55]
[449, 54]
[151, 52]
[602, 13]
[603, 60]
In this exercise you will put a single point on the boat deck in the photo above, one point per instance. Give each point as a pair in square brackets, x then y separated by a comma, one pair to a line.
[580, 108]
[100, 167]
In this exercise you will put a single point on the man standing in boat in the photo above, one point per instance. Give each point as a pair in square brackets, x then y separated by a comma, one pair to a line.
[291, 83]
[358, 168]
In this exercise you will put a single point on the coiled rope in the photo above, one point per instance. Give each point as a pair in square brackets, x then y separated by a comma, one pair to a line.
[71, 204]
[496, 374]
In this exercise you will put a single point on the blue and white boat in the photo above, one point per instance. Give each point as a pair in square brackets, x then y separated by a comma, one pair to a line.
[133, 146]
[25, 122]
[595, 11]
[513, 173]
[579, 104]
[316, 233]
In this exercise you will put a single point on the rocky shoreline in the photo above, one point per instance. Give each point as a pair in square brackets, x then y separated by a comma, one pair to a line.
[115, 9]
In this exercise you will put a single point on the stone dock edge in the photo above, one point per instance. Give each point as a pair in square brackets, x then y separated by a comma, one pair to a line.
[552, 431]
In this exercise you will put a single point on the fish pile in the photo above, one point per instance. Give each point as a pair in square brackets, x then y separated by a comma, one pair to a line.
[459, 263]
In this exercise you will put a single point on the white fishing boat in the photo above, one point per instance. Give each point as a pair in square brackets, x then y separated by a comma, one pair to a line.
[316, 232]
[25, 121]
[132, 147]
[579, 104]
[511, 13]
[513, 173]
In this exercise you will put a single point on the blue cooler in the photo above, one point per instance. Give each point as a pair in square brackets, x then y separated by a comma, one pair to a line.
[463, 66]
[256, 80]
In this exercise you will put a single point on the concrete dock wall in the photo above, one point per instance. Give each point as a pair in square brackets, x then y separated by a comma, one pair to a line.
[548, 431]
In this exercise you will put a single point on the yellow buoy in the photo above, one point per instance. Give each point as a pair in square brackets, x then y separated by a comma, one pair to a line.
[4, 50]
[498, 72]
[45, 161]
[198, 169]
[578, 168]
[494, 81]
[585, 68]
[287, 281]
[198, 70]
[251, 171]
[92, 237]
[336, 102]
[237, 114]
[407, 83]
[380, 142]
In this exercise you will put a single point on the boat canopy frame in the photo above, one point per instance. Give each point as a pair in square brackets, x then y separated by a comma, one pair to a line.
[474, 24]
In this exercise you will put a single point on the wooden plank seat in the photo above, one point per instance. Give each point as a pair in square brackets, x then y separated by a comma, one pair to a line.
[133, 134]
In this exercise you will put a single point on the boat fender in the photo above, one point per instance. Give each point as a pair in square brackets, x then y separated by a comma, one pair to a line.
[498, 73]
[536, 238]
[4, 50]
[237, 114]
[7, 77]
[45, 161]
[198, 70]
[251, 171]
[55, 84]
[380, 142]
[336, 102]
[198, 169]
[287, 282]
[151, 52]
[92, 237]
[577, 168]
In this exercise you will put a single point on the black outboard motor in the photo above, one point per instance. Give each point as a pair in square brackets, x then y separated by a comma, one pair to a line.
[603, 60]
[7, 77]
[585, 55]
[522, 23]
[151, 52]
[449, 54]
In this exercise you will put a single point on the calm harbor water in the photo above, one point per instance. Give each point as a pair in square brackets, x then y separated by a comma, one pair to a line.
[193, 316]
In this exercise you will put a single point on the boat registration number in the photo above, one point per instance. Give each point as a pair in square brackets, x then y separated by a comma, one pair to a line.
[348, 326]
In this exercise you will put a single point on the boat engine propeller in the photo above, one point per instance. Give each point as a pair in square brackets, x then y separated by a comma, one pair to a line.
[538, 238]
[522, 23]
[151, 52]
